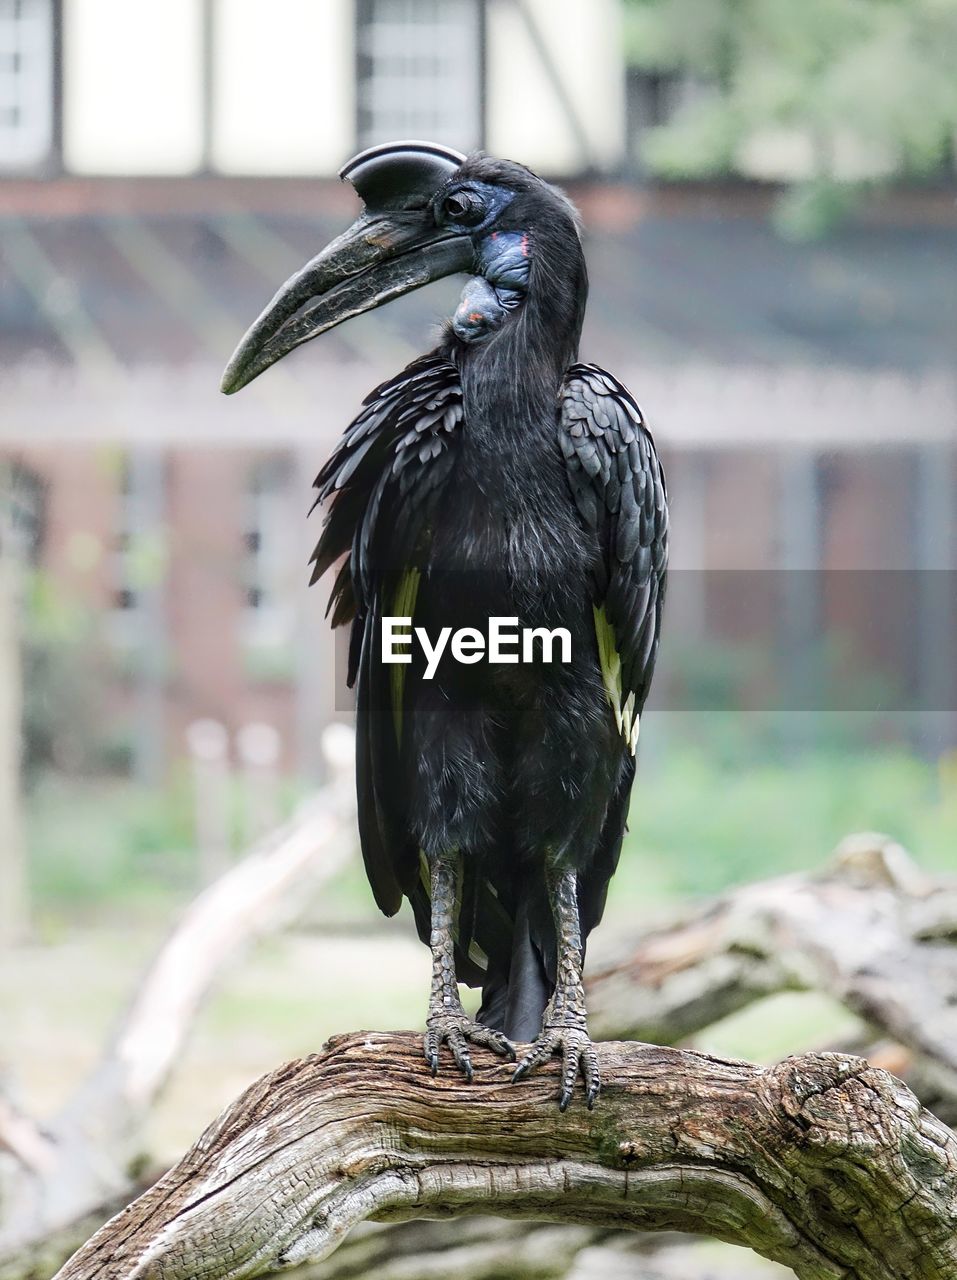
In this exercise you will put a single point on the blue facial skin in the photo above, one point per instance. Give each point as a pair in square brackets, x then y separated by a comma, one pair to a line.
[503, 259]
[486, 204]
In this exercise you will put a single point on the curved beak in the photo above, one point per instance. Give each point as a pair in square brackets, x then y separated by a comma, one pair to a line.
[393, 248]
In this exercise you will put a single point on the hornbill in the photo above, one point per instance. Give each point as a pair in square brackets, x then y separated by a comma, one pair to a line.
[494, 477]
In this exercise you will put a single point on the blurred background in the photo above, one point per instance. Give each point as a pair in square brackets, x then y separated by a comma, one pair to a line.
[768, 190]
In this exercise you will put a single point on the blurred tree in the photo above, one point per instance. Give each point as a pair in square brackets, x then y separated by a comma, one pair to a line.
[830, 97]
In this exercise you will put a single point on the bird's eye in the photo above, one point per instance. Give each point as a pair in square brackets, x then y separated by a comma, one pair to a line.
[463, 206]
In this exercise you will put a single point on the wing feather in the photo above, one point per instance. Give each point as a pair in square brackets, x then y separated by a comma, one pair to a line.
[379, 486]
[618, 486]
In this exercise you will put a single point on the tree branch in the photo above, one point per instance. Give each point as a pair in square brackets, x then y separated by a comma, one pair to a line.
[501, 1249]
[870, 930]
[23, 1139]
[89, 1148]
[821, 1163]
[254, 898]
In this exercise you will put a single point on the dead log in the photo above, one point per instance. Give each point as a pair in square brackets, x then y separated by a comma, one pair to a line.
[821, 1163]
[871, 930]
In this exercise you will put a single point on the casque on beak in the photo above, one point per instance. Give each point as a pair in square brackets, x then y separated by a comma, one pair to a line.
[392, 248]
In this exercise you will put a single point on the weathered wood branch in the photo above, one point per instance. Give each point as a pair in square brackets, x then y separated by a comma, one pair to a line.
[676, 981]
[821, 1163]
[88, 1150]
[22, 1138]
[870, 930]
[501, 1249]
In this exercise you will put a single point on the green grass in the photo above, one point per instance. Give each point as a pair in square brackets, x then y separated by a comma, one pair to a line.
[117, 860]
[770, 1029]
[93, 843]
[702, 819]
[698, 827]
[96, 844]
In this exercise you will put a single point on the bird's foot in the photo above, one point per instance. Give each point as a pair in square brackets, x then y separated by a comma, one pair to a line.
[579, 1057]
[453, 1026]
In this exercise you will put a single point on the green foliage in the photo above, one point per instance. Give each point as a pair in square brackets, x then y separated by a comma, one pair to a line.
[102, 843]
[96, 843]
[860, 91]
[790, 1022]
[700, 824]
[716, 804]
[810, 208]
[64, 681]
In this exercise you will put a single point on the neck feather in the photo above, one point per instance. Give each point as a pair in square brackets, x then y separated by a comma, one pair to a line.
[516, 372]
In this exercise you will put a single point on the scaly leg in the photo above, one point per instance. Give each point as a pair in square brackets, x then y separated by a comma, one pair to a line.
[447, 1020]
[565, 1024]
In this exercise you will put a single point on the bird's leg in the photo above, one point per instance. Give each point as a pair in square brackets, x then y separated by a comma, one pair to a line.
[447, 1020]
[565, 1024]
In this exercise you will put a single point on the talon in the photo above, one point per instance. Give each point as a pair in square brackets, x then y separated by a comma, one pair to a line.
[431, 1054]
[500, 1045]
[461, 1055]
[456, 1029]
[578, 1059]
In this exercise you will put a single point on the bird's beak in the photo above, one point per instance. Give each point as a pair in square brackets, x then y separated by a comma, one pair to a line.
[394, 247]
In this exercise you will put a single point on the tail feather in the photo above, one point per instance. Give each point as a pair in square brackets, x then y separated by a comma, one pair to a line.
[515, 1003]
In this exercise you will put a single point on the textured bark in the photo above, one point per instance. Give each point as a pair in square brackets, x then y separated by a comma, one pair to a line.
[821, 1163]
[463, 1249]
[871, 930]
[499, 1249]
[44, 1254]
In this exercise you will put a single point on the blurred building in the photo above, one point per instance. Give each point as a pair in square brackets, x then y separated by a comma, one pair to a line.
[230, 87]
[165, 167]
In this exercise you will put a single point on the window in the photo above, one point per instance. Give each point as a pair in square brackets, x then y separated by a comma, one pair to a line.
[138, 553]
[419, 71]
[125, 593]
[26, 83]
[23, 512]
[271, 555]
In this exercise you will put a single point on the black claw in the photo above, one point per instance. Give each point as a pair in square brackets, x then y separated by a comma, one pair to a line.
[577, 1061]
[458, 1032]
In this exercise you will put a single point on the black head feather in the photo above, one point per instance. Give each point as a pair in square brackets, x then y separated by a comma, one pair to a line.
[530, 351]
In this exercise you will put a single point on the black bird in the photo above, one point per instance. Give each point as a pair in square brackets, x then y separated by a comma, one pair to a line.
[494, 477]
